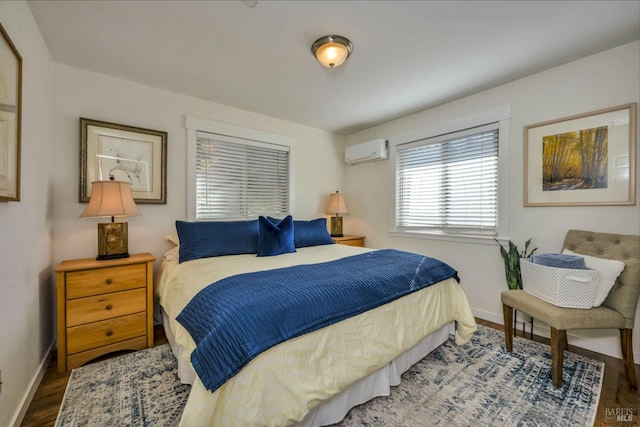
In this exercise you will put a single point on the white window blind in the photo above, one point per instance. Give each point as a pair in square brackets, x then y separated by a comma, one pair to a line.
[237, 178]
[449, 184]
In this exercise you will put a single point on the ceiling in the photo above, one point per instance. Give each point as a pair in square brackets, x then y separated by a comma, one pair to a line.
[408, 55]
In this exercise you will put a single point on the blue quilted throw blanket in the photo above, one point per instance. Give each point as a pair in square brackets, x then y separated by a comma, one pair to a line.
[237, 318]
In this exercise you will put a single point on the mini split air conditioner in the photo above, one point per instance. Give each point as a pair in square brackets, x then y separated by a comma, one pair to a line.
[366, 152]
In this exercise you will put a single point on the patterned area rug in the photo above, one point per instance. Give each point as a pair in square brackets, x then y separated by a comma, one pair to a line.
[481, 384]
[478, 384]
[137, 389]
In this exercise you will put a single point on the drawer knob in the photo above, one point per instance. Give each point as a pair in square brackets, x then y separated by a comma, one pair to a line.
[108, 281]
[109, 307]
[109, 333]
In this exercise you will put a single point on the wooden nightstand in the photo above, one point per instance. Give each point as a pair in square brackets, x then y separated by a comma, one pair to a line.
[349, 240]
[103, 306]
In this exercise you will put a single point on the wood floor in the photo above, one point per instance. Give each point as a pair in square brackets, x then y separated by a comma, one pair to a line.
[615, 398]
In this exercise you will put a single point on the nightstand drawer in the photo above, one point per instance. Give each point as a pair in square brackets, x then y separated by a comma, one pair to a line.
[98, 334]
[85, 283]
[101, 307]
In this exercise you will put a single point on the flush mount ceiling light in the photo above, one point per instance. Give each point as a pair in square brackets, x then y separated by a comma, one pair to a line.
[332, 51]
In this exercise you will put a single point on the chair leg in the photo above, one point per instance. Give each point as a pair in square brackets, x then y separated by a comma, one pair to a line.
[557, 355]
[565, 341]
[507, 313]
[626, 344]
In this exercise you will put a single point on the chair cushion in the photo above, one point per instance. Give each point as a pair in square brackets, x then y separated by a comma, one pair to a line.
[563, 318]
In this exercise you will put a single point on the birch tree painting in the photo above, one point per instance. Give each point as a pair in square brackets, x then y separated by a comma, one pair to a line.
[575, 160]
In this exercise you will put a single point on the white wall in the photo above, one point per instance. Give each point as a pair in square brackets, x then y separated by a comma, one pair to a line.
[604, 80]
[26, 285]
[319, 166]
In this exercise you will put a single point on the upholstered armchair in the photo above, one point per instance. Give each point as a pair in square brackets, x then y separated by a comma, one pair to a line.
[617, 312]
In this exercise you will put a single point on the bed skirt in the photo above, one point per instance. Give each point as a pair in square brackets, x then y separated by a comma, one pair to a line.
[376, 384]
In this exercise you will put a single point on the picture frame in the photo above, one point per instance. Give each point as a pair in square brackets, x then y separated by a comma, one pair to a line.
[583, 160]
[10, 118]
[127, 153]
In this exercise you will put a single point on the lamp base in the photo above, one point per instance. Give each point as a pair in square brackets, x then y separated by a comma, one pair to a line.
[113, 240]
[336, 226]
[112, 256]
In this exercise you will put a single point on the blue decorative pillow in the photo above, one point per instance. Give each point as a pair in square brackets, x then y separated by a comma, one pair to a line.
[311, 233]
[275, 237]
[217, 238]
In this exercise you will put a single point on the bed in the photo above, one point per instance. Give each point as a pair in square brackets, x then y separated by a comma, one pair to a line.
[314, 378]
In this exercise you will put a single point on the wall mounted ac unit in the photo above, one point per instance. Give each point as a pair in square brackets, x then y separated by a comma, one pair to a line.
[366, 152]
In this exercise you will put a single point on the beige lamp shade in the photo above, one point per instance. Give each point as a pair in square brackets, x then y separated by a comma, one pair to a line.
[111, 198]
[337, 204]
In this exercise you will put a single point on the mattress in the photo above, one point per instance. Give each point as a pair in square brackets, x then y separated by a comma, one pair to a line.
[281, 386]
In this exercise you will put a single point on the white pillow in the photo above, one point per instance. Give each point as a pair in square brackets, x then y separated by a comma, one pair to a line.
[609, 270]
[173, 238]
[172, 254]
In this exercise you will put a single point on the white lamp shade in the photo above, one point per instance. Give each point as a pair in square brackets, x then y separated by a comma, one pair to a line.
[337, 204]
[111, 198]
[332, 54]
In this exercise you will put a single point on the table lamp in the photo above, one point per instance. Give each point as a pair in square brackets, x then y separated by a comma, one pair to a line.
[111, 199]
[336, 206]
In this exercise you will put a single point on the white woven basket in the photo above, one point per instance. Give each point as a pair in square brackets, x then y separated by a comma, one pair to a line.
[564, 287]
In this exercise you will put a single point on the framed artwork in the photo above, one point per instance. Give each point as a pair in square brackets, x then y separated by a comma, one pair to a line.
[126, 153]
[582, 160]
[10, 118]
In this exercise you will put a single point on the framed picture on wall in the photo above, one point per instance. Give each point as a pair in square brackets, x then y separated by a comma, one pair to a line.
[10, 118]
[126, 153]
[582, 160]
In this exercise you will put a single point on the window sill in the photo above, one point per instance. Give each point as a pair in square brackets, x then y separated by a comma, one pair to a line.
[461, 238]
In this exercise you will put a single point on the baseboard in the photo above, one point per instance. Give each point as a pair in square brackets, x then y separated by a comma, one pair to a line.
[33, 387]
[491, 317]
[589, 344]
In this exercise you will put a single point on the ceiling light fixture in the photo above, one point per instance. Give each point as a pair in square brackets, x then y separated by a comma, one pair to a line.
[332, 51]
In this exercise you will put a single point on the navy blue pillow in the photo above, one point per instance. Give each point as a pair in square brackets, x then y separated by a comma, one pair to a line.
[310, 233]
[275, 237]
[217, 238]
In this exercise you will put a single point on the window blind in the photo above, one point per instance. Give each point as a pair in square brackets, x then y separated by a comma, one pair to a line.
[238, 178]
[449, 183]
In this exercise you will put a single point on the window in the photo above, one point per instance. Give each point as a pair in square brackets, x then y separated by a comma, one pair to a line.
[449, 184]
[452, 179]
[237, 173]
[240, 179]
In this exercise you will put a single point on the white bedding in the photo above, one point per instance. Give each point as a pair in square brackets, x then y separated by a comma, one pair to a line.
[283, 384]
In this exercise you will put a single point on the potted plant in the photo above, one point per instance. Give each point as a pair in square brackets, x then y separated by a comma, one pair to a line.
[511, 259]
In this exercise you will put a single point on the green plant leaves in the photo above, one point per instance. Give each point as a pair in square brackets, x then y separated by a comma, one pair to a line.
[512, 262]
